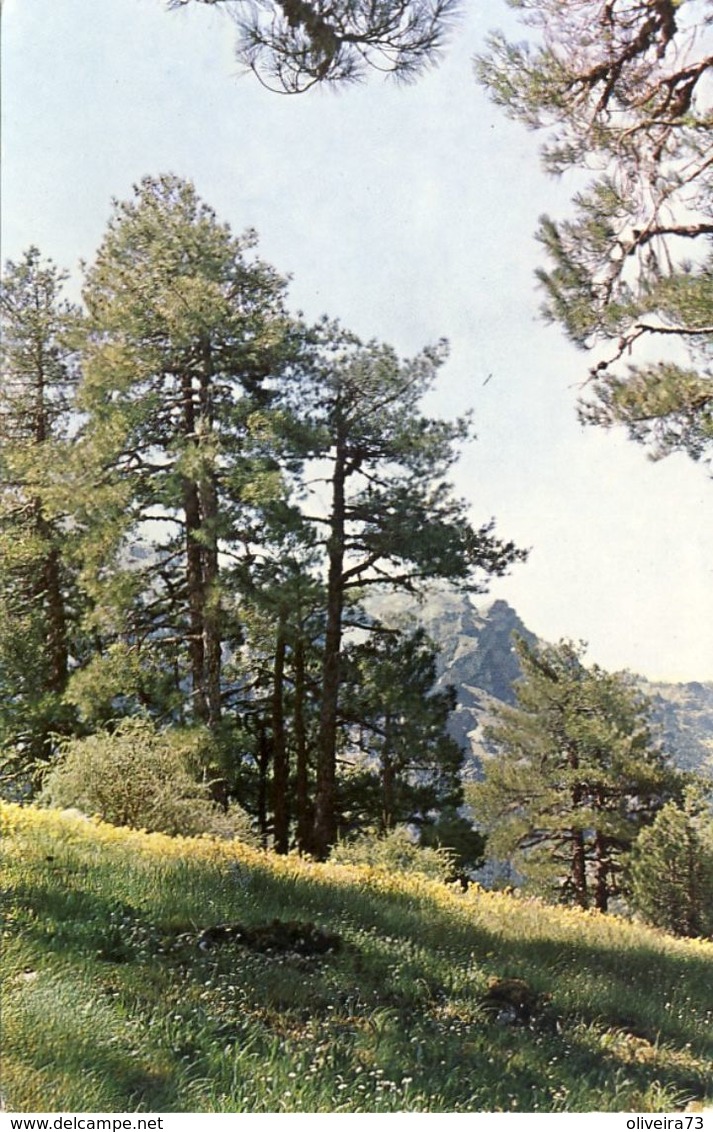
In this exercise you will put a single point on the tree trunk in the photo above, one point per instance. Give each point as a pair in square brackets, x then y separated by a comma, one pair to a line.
[387, 784]
[57, 647]
[280, 761]
[579, 855]
[212, 631]
[47, 593]
[263, 765]
[603, 865]
[693, 875]
[208, 497]
[194, 566]
[194, 583]
[325, 823]
[579, 868]
[304, 817]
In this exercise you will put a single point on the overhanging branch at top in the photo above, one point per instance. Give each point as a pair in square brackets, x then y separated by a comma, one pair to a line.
[292, 45]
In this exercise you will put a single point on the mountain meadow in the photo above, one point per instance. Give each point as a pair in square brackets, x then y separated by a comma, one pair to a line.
[154, 973]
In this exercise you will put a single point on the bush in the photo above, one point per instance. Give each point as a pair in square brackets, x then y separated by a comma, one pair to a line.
[142, 777]
[396, 851]
[457, 835]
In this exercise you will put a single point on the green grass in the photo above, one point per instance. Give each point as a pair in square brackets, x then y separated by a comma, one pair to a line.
[110, 1006]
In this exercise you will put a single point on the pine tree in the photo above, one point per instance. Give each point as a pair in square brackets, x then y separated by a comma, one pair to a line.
[576, 776]
[393, 721]
[621, 90]
[671, 873]
[187, 341]
[391, 517]
[282, 612]
[38, 593]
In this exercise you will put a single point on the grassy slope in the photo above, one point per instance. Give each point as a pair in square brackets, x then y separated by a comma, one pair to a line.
[108, 1008]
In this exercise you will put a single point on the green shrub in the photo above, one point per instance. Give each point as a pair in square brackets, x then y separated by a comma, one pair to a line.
[140, 776]
[396, 851]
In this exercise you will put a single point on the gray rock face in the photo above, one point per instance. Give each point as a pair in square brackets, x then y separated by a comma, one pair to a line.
[477, 657]
[684, 713]
[476, 646]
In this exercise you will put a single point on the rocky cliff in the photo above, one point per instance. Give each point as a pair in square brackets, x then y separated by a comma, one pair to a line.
[478, 658]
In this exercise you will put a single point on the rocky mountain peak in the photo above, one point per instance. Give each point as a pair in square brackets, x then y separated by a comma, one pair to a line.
[477, 656]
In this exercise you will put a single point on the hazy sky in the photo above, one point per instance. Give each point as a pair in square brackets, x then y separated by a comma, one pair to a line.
[408, 213]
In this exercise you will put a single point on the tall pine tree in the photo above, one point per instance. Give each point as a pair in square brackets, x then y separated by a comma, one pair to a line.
[576, 776]
[187, 341]
[38, 594]
[394, 722]
[282, 610]
[390, 516]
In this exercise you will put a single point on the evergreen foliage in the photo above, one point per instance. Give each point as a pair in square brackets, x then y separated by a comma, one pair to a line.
[392, 519]
[394, 726]
[178, 541]
[576, 777]
[282, 615]
[187, 335]
[672, 868]
[39, 601]
[291, 45]
[621, 91]
[456, 834]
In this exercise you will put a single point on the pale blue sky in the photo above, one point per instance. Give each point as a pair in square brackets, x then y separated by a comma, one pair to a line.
[408, 213]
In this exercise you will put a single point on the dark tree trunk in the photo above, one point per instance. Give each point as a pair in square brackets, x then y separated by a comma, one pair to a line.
[194, 583]
[208, 497]
[579, 853]
[693, 876]
[280, 760]
[47, 593]
[57, 648]
[304, 816]
[602, 870]
[212, 630]
[387, 784]
[579, 868]
[194, 566]
[263, 766]
[325, 823]
[51, 581]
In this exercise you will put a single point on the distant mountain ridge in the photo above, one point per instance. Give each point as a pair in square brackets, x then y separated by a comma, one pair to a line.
[685, 714]
[477, 657]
